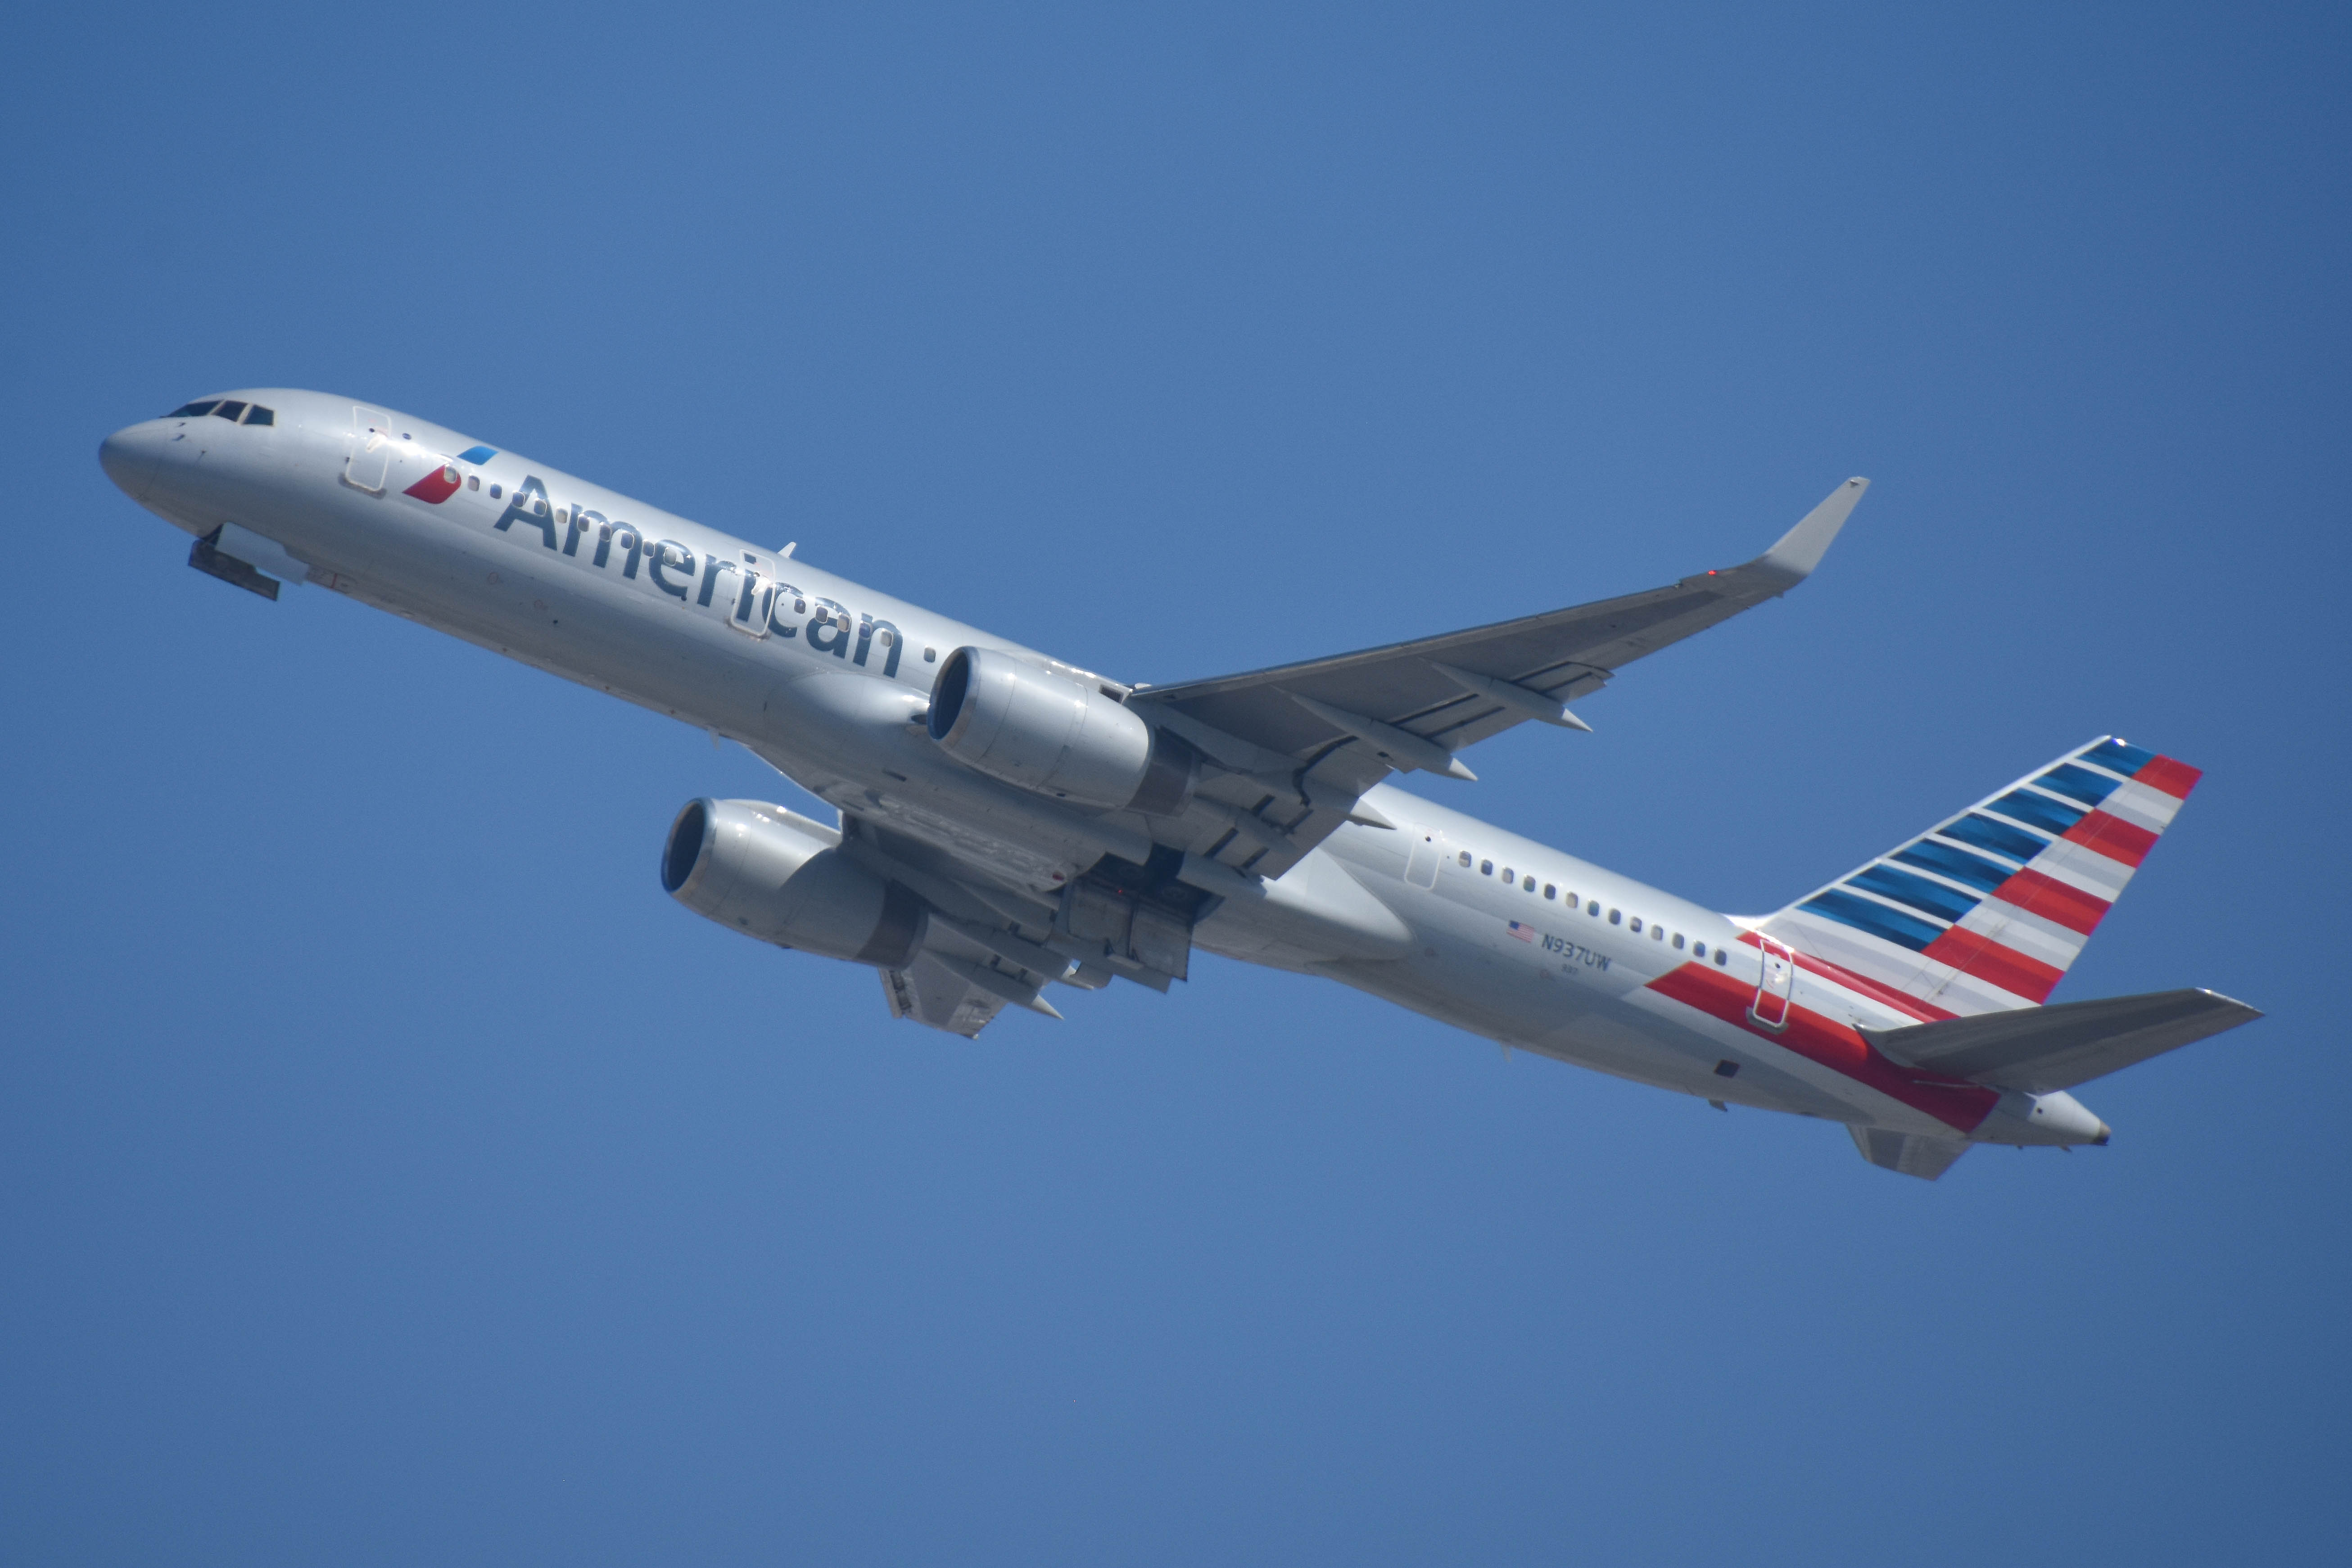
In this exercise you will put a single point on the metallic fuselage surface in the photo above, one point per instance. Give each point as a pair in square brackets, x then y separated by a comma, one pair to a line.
[830, 681]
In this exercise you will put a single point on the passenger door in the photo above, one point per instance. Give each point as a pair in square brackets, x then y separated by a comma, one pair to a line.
[370, 451]
[1775, 988]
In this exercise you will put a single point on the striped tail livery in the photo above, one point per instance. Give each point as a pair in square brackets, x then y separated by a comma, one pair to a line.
[1985, 912]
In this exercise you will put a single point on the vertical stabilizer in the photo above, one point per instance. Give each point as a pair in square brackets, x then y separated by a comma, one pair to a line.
[1986, 912]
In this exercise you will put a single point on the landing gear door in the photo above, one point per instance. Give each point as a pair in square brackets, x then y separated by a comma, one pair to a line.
[1775, 988]
[370, 451]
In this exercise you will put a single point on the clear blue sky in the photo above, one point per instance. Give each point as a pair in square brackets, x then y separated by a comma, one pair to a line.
[390, 1174]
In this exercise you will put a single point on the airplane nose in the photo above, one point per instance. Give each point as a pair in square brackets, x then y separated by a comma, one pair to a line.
[128, 457]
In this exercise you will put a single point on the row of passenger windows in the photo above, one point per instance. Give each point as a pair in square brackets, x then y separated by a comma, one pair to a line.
[225, 408]
[1592, 907]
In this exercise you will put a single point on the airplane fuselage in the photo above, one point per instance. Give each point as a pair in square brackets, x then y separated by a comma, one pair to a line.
[828, 679]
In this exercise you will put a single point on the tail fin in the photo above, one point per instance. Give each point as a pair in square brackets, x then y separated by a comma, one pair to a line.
[1985, 912]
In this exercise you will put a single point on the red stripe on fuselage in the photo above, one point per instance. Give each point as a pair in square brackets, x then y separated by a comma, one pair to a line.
[1877, 991]
[1834, 1044]
[2053, 900]
[1989, 959]
[2126, 843]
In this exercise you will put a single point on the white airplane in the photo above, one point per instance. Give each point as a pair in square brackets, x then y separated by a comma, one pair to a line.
[1009, 822]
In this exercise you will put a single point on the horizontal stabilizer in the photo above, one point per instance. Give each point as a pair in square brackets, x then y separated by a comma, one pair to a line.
[2044, 1049]
[1925, 1158]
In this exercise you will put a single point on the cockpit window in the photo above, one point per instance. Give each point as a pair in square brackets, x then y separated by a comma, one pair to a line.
[258, 414]
[190, 411]
[229, 411]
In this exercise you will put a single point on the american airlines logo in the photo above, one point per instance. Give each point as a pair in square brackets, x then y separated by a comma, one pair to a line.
[755, 603]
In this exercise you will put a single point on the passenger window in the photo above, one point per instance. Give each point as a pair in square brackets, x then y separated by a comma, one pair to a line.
[1678, 941]
[1658, 933]
[1527, 884]
[473, 481]
[258, 414]
[1551, 890]
[190, 411]
[1486, 868]
[229, 411]
[1719, 957]
[496, 492]
[1698, 949]
[1509, 875]
[931, 655]
[1634, 925]
[1465, 858]
[1593, 907]
[1616, 917]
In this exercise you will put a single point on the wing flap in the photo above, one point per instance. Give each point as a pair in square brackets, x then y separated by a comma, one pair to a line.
[933, 992]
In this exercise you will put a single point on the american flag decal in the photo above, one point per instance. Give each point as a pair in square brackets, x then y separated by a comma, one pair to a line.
[1524, 933]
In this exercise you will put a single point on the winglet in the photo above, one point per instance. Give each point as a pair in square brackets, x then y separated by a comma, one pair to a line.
[1800, 549]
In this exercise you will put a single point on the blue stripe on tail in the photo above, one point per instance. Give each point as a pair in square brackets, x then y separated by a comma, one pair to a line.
[1910, 888]
[1960, 865]
[2078, 784]
[2121, 755]
[1998, 837]
[1896, 927]
[2052, 817]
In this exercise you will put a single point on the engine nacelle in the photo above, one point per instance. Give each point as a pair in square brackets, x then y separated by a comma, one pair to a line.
[781, 877]
[1061, 737]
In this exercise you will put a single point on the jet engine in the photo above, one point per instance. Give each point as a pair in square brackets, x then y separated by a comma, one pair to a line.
[783, 879]
[1046, 731]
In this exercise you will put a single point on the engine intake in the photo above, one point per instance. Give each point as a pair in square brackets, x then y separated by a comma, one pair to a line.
[1047, 733]
[778, 876]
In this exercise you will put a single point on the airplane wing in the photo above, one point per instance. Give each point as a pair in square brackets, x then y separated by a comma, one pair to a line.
[1291, 751]
[1338, 726]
